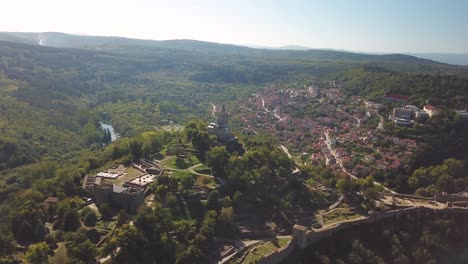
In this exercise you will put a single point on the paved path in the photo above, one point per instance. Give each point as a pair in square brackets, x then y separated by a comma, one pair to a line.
[340, 199]
[240, 247]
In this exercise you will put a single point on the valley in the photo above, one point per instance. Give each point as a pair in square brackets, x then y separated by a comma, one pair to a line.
[121, 150]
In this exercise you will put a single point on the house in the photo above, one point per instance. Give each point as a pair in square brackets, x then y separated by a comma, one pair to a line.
[373, 105]
[50, 201]
[403, 122]
[402, 113]
[421, 116]
[431, 110]
[412, 107]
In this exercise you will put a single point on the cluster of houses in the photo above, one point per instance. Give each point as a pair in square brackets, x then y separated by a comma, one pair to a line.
[339, 133]
[338, 136]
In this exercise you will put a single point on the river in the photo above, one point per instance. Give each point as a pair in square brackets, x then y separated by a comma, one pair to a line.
[114, 136]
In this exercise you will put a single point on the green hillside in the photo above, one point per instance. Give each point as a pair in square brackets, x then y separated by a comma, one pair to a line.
[53, 98]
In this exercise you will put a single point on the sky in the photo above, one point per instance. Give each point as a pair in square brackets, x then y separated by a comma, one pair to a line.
[356, 25]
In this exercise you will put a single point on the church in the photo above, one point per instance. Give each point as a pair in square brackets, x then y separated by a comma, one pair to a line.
[221, 129]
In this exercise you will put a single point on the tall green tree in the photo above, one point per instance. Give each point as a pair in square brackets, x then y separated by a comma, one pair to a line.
[37, 253]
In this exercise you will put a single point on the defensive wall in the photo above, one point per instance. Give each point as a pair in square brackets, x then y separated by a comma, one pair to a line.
[313, 236]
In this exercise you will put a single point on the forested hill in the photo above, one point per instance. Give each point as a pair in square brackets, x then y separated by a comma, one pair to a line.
[373, 82]
[399, 62]
[137, 83]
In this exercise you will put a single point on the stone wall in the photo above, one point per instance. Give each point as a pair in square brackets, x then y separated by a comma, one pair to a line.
[318, 234]
[279, 255]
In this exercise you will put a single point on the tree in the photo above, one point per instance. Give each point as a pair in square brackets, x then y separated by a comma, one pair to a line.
[208, 225]
[84, 251]
[195, 131]
[90, 219]
[360, 254]
[187, 182]
[71, 220]
[136, 148]
[446, 183]
[6, 240]
[226, 218]
[122, 218]
[131, 242]
[217, 159]
[344, 185]
[39, 231]
[455, 168]
[213, 201]
[37, 253]
[105, 210]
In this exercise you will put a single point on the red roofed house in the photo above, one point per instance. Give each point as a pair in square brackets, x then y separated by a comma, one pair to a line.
[431, 110]
[51, 200]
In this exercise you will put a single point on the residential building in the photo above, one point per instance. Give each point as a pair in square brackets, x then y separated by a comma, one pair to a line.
[431, 110]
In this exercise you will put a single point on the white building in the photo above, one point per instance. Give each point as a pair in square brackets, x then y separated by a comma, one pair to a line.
[431, 110]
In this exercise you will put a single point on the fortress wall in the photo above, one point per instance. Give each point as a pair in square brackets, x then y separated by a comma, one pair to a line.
[279, 255]
[316, 235]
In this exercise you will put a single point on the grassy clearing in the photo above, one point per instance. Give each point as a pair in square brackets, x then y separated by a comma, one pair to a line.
[339, 214]
[178, 174]
[178, 163]
[264, 249]
[205, 181]
[60, 255]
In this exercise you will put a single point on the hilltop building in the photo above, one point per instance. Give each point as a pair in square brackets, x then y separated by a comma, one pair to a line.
[431, 110]
[221, 129]
[127, 197]
[403, 113]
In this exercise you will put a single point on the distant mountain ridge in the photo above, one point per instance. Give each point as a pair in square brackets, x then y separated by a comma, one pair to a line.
[62, 40]
[394, 62]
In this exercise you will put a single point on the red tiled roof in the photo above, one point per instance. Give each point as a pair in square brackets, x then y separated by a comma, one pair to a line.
[51, 200]
[430, 107]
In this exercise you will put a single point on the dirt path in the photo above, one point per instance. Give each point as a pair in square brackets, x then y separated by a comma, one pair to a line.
[286, 150]
[213, 112]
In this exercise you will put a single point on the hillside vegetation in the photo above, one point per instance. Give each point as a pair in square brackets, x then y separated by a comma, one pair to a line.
[53, 98]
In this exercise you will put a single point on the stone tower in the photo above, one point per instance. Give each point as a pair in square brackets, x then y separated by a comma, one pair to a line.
[223, 118]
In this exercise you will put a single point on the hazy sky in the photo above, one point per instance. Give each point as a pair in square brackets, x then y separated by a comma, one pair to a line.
[359, 25]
